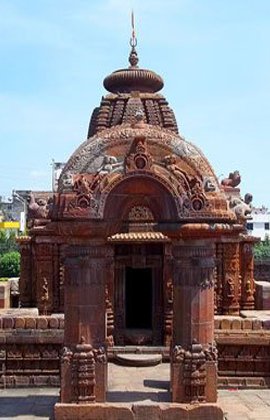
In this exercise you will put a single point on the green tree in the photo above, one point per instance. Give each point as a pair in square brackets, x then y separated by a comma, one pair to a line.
[262, 250]
[7, 241]
[10, 264]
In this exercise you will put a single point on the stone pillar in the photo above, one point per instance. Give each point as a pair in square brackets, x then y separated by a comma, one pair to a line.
[86, 270]
[247, 275]
[219, 279]
[25, 283]
[168, 294]
[194, 360]
[231, 279]
[44, 268]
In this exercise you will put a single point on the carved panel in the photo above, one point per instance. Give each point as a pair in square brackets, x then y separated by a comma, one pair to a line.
[231, 282]
[247, 276]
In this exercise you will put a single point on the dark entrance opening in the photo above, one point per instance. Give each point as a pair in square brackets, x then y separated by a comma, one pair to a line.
[138, 298]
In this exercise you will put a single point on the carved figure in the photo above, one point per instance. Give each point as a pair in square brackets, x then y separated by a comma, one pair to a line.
[37, 210]
[109, 164]
[230, 287]
[45, 295]
[242, 208]
[233, 180]
[188, 183]
[209, 185]
[67, 180]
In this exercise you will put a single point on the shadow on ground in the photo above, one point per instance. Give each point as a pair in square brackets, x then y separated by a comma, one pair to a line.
[156, 384]
[29, 405]
[133, 396]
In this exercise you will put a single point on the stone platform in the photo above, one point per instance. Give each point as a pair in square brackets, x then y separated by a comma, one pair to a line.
[139, 411]
[145, 386]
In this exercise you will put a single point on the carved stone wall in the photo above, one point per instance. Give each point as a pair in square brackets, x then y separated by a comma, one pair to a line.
[30, 350]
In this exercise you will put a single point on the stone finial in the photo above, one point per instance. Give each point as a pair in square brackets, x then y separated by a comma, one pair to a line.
[133, 56]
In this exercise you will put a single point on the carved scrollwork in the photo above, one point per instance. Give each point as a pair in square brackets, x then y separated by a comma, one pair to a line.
[137, 213]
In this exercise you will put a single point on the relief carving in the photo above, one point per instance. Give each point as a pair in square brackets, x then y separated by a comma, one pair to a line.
[194, 369]
[45, 296]
[242, 208]
[138, 213]
[233, 180]
[38, 209]
[138, 159]
[109, 164]
[83, 373]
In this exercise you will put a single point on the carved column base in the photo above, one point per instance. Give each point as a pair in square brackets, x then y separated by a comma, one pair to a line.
[194, 374]
[83, 374]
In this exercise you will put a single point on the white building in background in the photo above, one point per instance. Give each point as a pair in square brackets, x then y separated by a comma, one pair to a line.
[259, 225]
[57, 168]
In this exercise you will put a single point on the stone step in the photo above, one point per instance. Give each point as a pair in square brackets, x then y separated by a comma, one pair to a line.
[138, 360]
[162, 350]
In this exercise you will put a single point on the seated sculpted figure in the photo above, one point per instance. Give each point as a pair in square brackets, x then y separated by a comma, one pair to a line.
[233, 180]
[242, 208]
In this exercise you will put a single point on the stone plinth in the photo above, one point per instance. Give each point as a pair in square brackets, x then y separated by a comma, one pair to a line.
[137, 411]
[4, 294]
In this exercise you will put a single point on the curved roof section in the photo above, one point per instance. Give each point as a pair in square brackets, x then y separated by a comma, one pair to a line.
[117, 141]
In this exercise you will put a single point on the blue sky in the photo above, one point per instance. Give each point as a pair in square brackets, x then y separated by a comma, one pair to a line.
[214, 56]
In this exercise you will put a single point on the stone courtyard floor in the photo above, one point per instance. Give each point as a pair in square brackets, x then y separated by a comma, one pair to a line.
[133, 385]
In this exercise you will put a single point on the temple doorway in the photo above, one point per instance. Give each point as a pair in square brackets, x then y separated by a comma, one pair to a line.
[138, 297]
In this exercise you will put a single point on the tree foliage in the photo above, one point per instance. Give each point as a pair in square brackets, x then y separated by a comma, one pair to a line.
[262, 250]
[7, 241]
[10, 264]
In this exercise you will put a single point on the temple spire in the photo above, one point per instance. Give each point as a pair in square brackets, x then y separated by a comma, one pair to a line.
[133, 56]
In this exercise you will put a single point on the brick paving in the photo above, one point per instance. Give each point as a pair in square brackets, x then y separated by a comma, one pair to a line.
[130, 384]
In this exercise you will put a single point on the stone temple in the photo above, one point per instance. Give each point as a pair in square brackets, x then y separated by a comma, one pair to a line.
[141, 246]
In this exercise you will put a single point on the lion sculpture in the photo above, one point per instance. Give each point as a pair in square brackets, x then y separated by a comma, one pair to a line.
[233, 180]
